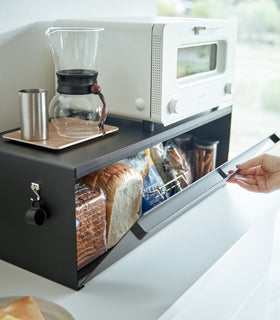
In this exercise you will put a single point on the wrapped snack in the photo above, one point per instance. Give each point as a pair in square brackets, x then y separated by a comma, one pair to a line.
[186, 143]
[179, 166]
[158, 154]
[90, 224]
[153, 190]
[204, 156]
[173, 165]
[122, 186]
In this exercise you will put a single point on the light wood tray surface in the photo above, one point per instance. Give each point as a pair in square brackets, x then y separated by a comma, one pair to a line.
[55, 141]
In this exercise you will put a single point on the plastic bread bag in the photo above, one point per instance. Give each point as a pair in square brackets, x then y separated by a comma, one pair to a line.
[153, 190]
[122, 186]
[186, 143]
[159, 157]
[90, 224]
[180, 170]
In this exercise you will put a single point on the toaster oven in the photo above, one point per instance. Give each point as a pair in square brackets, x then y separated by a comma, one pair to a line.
[163, 70]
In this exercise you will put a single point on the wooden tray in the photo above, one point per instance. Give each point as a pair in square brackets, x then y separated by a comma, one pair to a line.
[55, 141]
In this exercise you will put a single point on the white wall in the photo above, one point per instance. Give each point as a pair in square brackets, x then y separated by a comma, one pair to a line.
[25, 59]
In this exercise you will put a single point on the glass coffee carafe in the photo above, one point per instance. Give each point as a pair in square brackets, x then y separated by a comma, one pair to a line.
[78, 109]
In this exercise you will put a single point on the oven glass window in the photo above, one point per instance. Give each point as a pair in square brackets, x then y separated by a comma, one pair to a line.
[194, 60]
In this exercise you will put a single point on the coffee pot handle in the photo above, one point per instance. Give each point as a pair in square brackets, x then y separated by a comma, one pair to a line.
[96, 89]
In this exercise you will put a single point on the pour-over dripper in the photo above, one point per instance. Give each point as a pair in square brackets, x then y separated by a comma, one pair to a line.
[75, 110]
[74, 47]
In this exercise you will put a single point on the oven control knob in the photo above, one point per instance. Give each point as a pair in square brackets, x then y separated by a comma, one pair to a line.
[228, 88]
[173, 105]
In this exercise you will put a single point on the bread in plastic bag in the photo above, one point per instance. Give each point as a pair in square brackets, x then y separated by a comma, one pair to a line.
[154, 191]
[90, 224]
[122, 186]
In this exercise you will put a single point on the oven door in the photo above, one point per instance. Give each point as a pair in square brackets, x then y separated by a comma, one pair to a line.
[197, 68]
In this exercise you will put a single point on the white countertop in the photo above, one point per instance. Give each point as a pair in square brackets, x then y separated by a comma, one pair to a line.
[146, 282]
[244, 284]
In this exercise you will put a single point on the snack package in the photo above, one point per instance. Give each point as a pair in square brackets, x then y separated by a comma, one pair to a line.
[173, 166]
[186, 143]
[153, 190]
[159, 157]
[90, 224]
[179, 165]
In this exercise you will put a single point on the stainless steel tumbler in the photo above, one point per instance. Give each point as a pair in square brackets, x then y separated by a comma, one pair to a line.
[33, 114]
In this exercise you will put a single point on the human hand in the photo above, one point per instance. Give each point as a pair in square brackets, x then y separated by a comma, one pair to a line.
[259, 174]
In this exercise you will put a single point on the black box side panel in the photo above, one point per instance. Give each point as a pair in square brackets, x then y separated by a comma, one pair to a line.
[50, 249]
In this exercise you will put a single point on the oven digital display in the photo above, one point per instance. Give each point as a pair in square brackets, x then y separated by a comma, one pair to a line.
[196, 59]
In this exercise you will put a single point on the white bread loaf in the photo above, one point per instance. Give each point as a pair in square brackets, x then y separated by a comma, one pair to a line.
[122, 186]
[24, 309]
[90, 224]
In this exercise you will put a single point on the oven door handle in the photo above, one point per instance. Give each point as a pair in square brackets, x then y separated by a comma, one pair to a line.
[197, 29]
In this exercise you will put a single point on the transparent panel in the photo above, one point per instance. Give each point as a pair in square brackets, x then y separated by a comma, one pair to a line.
[197, 59]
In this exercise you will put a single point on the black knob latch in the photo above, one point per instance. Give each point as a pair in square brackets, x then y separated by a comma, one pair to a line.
[35, 215]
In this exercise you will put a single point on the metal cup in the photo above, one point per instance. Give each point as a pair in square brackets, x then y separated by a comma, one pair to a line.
[33, 114]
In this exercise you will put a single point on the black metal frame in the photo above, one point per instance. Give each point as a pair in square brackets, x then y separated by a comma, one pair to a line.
[50, 250]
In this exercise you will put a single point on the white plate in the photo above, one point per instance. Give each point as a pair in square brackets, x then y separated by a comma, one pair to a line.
[50, 310]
